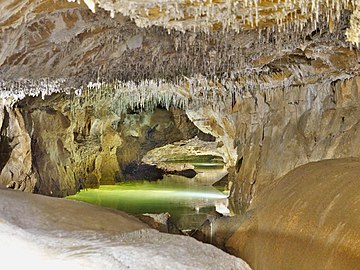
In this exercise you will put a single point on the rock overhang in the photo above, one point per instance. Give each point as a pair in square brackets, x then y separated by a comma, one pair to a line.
[189, 46]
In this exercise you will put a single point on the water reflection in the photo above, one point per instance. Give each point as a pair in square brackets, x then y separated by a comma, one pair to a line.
[187, 200]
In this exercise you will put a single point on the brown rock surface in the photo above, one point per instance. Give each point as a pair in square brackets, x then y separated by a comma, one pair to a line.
[44, 42]
[273, 99]
[309, 219]
[277, 131]
[267, 133]
[56, 145]
[16, 158]
[235, 15]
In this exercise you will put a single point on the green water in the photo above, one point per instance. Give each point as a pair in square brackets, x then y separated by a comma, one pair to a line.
[187, 200]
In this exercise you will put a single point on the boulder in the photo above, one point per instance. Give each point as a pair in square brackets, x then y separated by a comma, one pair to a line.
[309, 219]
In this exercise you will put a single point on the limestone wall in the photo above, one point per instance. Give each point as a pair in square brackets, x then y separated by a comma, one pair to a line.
[277, 131]
[261, 134]
[267, 133]
[62, 143]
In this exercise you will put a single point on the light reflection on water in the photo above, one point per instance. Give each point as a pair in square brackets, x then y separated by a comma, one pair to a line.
[187, 200]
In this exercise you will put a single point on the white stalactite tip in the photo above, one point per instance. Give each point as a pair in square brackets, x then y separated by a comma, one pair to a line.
[90, 4]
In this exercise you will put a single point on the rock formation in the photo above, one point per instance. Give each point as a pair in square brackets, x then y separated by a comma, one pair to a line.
[307, 220]
[257, 83]
[88, 87]
[63, 143]
[44, 232]
[16, 158]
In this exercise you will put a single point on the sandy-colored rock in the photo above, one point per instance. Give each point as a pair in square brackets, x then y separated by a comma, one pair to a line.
[181, 152]
[309, 219]
[214, 15]
[277, 131]
[272, 100]
[262, 136]
[65, 45]
[63, 143]
[16, 158]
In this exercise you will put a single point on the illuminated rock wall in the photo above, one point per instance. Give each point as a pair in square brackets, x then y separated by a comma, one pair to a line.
[308, 220]
[63, 143]
[262, 94]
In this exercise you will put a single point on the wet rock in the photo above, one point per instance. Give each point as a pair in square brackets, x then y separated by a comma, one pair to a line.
[174, 166]
[217, 229]
[91, 182]
[141, 171]
[182, 169]
[189, 173]
[161, 222]
[205, 232]
[223, 182]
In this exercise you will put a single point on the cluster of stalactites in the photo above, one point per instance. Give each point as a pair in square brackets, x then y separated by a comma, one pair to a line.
[353, 33]
[189, 93]
[207, 15]
[13, 91]
[121, 96]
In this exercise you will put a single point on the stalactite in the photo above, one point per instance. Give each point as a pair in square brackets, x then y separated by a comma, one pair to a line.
[232, 15]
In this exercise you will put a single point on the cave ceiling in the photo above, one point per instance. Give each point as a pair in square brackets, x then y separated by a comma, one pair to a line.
[251, 44]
